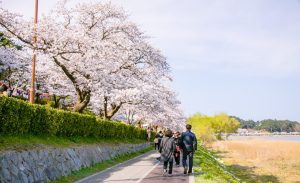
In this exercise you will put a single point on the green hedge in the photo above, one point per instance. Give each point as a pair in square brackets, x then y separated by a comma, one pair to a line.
[19, 118]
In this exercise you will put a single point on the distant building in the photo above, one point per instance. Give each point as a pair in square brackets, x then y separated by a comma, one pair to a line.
[242, 131]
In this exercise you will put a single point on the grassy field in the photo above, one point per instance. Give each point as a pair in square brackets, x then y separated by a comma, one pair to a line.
[261, 161]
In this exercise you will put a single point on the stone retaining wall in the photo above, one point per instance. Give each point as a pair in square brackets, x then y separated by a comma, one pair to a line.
[42, 165]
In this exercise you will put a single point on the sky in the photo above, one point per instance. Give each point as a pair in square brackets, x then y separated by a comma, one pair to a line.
[232, 56]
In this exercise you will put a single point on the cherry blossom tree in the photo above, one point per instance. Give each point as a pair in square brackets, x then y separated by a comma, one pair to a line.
[158, 107]
[77, 42]
[139, 67]
[99, 58]
[14, 67]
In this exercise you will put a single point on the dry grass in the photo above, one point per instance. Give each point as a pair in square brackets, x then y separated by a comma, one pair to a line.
[262, 160]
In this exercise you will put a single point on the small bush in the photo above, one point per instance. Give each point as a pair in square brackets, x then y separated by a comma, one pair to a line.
[19, 118]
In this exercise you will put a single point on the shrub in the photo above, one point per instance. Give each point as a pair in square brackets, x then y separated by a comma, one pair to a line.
[19, 118]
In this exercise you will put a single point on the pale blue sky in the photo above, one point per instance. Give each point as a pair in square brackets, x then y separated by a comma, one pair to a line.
[233, 56]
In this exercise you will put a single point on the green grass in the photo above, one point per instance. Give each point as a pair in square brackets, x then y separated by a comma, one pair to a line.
[84, 172]
[9, 142]
[247, 175]
[208, 169]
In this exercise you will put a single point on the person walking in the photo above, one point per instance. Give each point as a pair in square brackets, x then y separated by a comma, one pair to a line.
[156, 145]
[149, 131]
[189, 146]
[159, 137]
[177, 150]
[167, 149]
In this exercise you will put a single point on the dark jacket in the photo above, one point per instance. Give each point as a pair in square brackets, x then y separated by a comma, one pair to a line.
[159, 136]
[177, 141]
[167, 148]
[188, 141]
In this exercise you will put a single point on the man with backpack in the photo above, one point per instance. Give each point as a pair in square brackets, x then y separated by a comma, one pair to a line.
[188, 146]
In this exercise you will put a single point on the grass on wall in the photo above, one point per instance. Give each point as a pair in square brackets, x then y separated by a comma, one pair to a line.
[24, 142]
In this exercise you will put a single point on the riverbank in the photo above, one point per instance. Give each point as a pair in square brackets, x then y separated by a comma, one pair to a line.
[209, 169]
[261, 160]
[266, 137]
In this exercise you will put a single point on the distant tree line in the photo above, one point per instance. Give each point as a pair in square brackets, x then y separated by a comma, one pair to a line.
[270, 125]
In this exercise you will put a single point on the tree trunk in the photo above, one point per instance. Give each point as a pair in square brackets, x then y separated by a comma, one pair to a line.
[105, 108]
[107, 114]
[82, 101]
[219, 137]
[114, 109]
[129, 116]
[56, 100]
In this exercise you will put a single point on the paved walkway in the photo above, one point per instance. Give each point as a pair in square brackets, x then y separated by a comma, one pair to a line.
[142, 169]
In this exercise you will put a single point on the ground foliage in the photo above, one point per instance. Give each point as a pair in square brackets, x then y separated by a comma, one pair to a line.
[20, 118]
[210, 169]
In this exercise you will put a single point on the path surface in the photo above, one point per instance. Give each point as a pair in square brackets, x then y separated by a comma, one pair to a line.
[142, 169]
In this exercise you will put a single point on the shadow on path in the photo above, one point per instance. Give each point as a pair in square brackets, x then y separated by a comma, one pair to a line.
[156, 176]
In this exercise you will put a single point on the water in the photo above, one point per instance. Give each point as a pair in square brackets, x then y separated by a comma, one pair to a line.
[271, 137]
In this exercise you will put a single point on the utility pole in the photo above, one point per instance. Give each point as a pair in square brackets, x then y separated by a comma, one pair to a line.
[32, 89]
